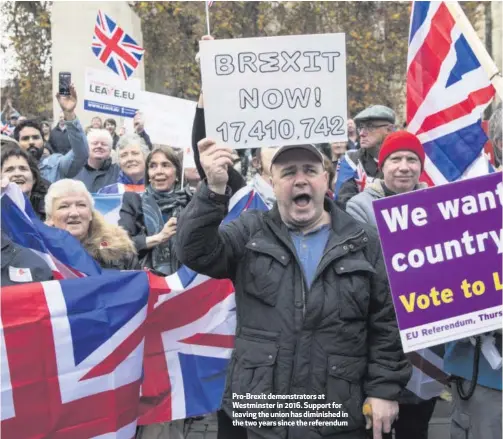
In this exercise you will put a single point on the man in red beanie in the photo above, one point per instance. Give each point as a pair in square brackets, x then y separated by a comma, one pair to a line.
[401, 160]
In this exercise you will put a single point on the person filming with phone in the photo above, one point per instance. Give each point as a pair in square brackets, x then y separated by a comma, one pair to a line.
[56, 166]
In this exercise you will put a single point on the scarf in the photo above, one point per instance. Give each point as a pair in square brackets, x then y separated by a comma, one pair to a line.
[124, 179]
[158, 207]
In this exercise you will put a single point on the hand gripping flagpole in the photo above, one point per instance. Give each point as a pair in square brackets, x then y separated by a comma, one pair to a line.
[207, 17]
[477, 46]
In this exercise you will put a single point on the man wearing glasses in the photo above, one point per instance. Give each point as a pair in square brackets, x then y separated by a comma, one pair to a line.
[373, 125]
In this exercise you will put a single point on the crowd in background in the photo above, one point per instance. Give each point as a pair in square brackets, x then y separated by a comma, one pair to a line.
[60, 165]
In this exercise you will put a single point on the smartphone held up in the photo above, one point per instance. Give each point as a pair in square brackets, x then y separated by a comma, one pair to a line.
[65, 80]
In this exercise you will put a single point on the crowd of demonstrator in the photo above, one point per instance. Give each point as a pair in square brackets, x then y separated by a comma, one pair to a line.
[314, 311]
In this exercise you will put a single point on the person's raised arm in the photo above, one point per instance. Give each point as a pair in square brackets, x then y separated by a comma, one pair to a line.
[201, 243]
[236, 180]
[198, 133]
[75, 159]
[139, 127]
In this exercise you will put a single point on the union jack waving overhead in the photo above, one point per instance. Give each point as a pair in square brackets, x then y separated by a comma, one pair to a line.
[447, 91]
[80, 370]
[114, 47]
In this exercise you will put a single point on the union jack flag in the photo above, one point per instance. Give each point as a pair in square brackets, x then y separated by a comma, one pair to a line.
[114, 47]
[190, 336]
[7, 129]
[72, 359]
[61, 251]
[447, 92]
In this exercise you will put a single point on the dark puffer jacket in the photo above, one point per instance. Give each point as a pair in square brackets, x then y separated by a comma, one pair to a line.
[14, 258]
[338, 339]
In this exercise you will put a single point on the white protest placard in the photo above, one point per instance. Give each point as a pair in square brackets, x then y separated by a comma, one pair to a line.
[275, 91]
[168, 120]
[188, 158]
[107, 93]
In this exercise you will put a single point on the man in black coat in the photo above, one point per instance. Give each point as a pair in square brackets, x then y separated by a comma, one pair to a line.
[314, 313]
[58, 139]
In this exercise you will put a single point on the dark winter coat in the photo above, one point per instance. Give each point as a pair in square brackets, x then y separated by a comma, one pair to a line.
[349, 188]
[338, 338]
[164, 262]
[58, 140]
[15, 257]
[95, 179]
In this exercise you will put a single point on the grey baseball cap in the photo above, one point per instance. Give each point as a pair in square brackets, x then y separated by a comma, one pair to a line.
[376, 112]
[306, 147]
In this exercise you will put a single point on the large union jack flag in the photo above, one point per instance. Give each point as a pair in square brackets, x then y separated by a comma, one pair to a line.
[83, 334]
[114, 47]
[447, 92]
[72, 354]
[190, 336]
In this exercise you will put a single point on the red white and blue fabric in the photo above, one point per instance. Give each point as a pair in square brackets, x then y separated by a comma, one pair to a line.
[346, 170]
[188, 342]
[447, 92]
[190, 337]
[60, 250]
[72, 355]
[114, 47]
[7, 129]
[121, 188]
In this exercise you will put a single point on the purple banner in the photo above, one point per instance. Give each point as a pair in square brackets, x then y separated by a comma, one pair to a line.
[443, 251]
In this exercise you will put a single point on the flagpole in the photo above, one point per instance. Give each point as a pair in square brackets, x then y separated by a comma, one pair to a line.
[478, 47]
[207, 17]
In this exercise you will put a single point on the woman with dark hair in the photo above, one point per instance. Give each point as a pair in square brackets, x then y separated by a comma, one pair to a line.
[21, 168]
[150, 218]
[46, 130]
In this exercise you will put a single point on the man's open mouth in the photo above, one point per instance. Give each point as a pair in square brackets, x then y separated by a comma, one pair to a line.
[302, 200]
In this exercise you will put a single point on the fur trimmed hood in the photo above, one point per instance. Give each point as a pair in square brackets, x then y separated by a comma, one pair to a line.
[108, 243]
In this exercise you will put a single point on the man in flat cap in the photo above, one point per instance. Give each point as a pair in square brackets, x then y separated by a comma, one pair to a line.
[373, 124]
